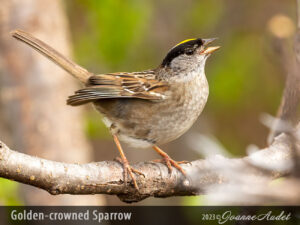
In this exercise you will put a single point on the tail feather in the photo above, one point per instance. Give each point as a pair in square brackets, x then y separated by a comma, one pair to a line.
[71, 67]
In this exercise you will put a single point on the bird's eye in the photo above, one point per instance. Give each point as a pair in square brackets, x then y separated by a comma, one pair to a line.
[189, 51]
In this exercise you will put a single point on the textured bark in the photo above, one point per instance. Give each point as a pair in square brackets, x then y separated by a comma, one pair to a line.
[204, 176]
[34, 116]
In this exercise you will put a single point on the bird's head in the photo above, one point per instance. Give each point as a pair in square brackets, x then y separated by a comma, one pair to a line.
[188, 55]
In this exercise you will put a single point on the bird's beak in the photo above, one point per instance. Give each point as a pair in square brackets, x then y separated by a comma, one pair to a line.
[209, 50]
[208, 41]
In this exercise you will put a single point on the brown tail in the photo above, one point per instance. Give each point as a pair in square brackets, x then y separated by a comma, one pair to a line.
[68, 65]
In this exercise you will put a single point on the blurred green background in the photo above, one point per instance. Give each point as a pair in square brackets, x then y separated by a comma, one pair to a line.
[245, 76]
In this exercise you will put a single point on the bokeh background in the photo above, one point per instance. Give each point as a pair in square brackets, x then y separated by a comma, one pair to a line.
[246, 76]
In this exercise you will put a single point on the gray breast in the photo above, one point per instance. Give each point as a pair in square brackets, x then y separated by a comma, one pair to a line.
[180, 115]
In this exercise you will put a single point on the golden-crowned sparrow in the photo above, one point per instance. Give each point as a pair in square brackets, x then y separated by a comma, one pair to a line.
[145, 108]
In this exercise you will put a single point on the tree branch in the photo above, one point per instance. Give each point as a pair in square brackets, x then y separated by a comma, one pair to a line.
[107, 177]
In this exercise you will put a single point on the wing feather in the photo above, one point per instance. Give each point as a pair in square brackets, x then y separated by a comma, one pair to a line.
[142, 85]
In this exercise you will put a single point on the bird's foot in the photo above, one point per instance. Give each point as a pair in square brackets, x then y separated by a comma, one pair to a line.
[170, 162]
[163, 161]
[129, 170]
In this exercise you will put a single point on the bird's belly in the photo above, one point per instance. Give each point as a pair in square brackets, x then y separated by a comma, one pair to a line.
[141, 123]
[162, 122]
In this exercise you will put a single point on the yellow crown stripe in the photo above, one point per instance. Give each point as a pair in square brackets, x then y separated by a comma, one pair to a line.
[187, 40]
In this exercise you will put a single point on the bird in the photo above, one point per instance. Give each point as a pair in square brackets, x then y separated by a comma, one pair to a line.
[142, 109]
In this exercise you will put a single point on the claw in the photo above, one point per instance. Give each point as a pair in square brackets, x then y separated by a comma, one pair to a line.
[169, 162]
[130, 170]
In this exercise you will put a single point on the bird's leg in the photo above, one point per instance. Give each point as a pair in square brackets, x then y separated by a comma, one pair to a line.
[169, 162]
[127, 167]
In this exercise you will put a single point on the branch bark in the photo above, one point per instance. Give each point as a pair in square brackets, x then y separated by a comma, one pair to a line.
[107, 177]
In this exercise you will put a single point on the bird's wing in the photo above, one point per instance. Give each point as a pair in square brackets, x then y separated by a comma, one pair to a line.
[142, 85]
